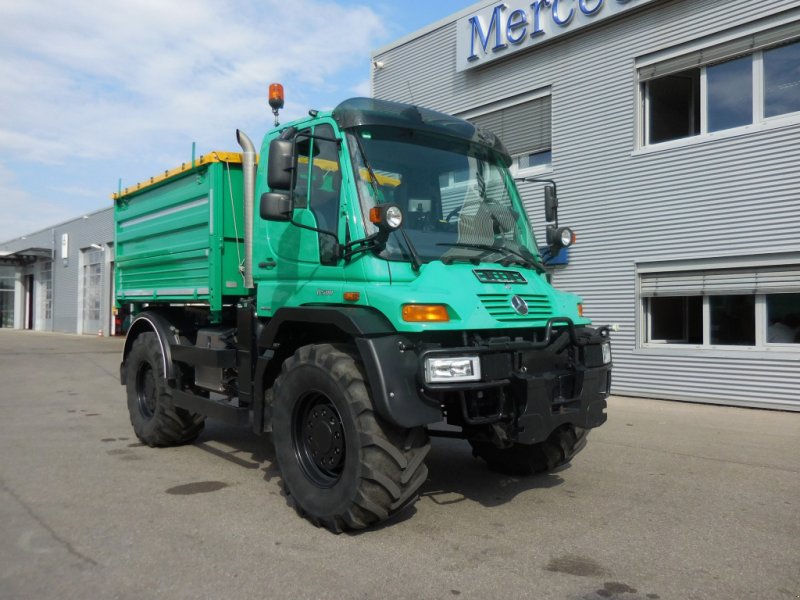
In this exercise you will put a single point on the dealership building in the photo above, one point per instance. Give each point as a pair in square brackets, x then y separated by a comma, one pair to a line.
[61, 278]
[672, 129]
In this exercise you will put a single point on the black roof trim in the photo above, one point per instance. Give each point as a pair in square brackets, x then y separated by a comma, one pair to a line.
[371, 111]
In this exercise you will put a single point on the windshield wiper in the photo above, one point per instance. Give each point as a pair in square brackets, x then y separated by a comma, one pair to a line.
[373, 180]
[527, 261]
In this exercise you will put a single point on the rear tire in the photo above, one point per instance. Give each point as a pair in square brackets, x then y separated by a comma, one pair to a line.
[156, 421]
[343, 466]
[527, 459]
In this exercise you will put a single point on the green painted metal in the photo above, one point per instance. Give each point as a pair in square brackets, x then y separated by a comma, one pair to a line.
[298, 279]
[181, 240]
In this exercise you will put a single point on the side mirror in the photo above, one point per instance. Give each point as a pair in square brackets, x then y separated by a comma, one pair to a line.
[276, 207]
[550, 203]
[279, 164]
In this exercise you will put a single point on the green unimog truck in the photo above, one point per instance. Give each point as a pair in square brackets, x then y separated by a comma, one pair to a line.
[371, 280]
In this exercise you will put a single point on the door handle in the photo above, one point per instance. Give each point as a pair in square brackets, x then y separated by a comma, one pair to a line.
[267, 264]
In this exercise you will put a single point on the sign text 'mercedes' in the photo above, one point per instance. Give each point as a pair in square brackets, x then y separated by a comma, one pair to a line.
[506, 27]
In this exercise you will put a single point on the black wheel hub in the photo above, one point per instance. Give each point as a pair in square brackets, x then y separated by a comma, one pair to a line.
[146, 390]
[319, 440]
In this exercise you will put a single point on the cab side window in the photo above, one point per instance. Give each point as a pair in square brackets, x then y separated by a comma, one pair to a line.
[303, 150]
[324, 190]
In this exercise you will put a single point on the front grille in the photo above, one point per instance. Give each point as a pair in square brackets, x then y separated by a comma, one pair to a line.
[499, 306]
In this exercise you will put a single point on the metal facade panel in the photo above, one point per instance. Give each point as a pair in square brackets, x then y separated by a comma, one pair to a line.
[732, 197]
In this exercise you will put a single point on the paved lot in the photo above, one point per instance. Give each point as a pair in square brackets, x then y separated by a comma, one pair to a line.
[669, 501]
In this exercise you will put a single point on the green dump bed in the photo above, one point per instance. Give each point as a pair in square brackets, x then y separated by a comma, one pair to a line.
[180, 236]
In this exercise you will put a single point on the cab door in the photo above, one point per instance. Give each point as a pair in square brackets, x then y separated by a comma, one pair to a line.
[301, 267]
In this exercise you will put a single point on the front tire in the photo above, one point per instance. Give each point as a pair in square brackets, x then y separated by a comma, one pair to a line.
[342, 465]
[528, 459]
[155, 419]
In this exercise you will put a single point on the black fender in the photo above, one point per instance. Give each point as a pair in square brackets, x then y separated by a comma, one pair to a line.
[392, 381]
[355, 321]
[166, 334]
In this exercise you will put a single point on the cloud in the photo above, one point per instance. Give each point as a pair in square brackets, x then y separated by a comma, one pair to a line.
[92, 91]
[21, 212]
[106, 79]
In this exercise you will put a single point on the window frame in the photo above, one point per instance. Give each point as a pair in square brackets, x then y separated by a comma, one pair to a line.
[761, 349]
[518, 172]
[788, 33]
[761, 323]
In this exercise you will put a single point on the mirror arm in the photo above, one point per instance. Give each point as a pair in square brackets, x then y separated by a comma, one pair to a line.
[539, 180]
[366, 244]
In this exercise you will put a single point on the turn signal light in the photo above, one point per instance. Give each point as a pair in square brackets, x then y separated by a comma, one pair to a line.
[580, 310]
[352, 296]
[425, 313]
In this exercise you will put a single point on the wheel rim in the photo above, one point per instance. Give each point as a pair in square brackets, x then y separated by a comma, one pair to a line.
[146, 390]
[319, 441]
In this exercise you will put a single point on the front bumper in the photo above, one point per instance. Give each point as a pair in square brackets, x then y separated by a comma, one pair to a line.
[532, 387]
[529, 387]
[549, 403]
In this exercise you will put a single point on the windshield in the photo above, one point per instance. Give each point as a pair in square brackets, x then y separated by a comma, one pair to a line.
[458, 200]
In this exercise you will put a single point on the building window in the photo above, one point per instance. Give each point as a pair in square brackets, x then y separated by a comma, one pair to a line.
[92, 282]
[722, 308]
[674, 106]
[46, 289]
[525, 130]
[732, 85]
[91, 286]
[7, 279]
[730, 94]
[782, 80]
[676, 319]
[732, 320]
[540, 160]
[783, 318]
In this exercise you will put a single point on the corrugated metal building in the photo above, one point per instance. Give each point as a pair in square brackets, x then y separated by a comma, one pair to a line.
[672, 128]
[60, 278]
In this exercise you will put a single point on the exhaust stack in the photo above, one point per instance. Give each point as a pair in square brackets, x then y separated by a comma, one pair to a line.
[249, 185]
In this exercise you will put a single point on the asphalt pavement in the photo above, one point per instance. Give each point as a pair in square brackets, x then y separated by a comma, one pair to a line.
[668, 500]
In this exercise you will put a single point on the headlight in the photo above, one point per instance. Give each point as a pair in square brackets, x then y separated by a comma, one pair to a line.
[387, 217]
[565, 236]
[452, 369]
[560, 237]
[394, 218]
[606, 353]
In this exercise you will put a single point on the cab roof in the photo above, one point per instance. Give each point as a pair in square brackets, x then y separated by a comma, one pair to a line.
[371, 111]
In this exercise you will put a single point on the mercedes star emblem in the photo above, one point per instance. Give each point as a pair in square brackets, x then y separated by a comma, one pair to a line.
[519, 305]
